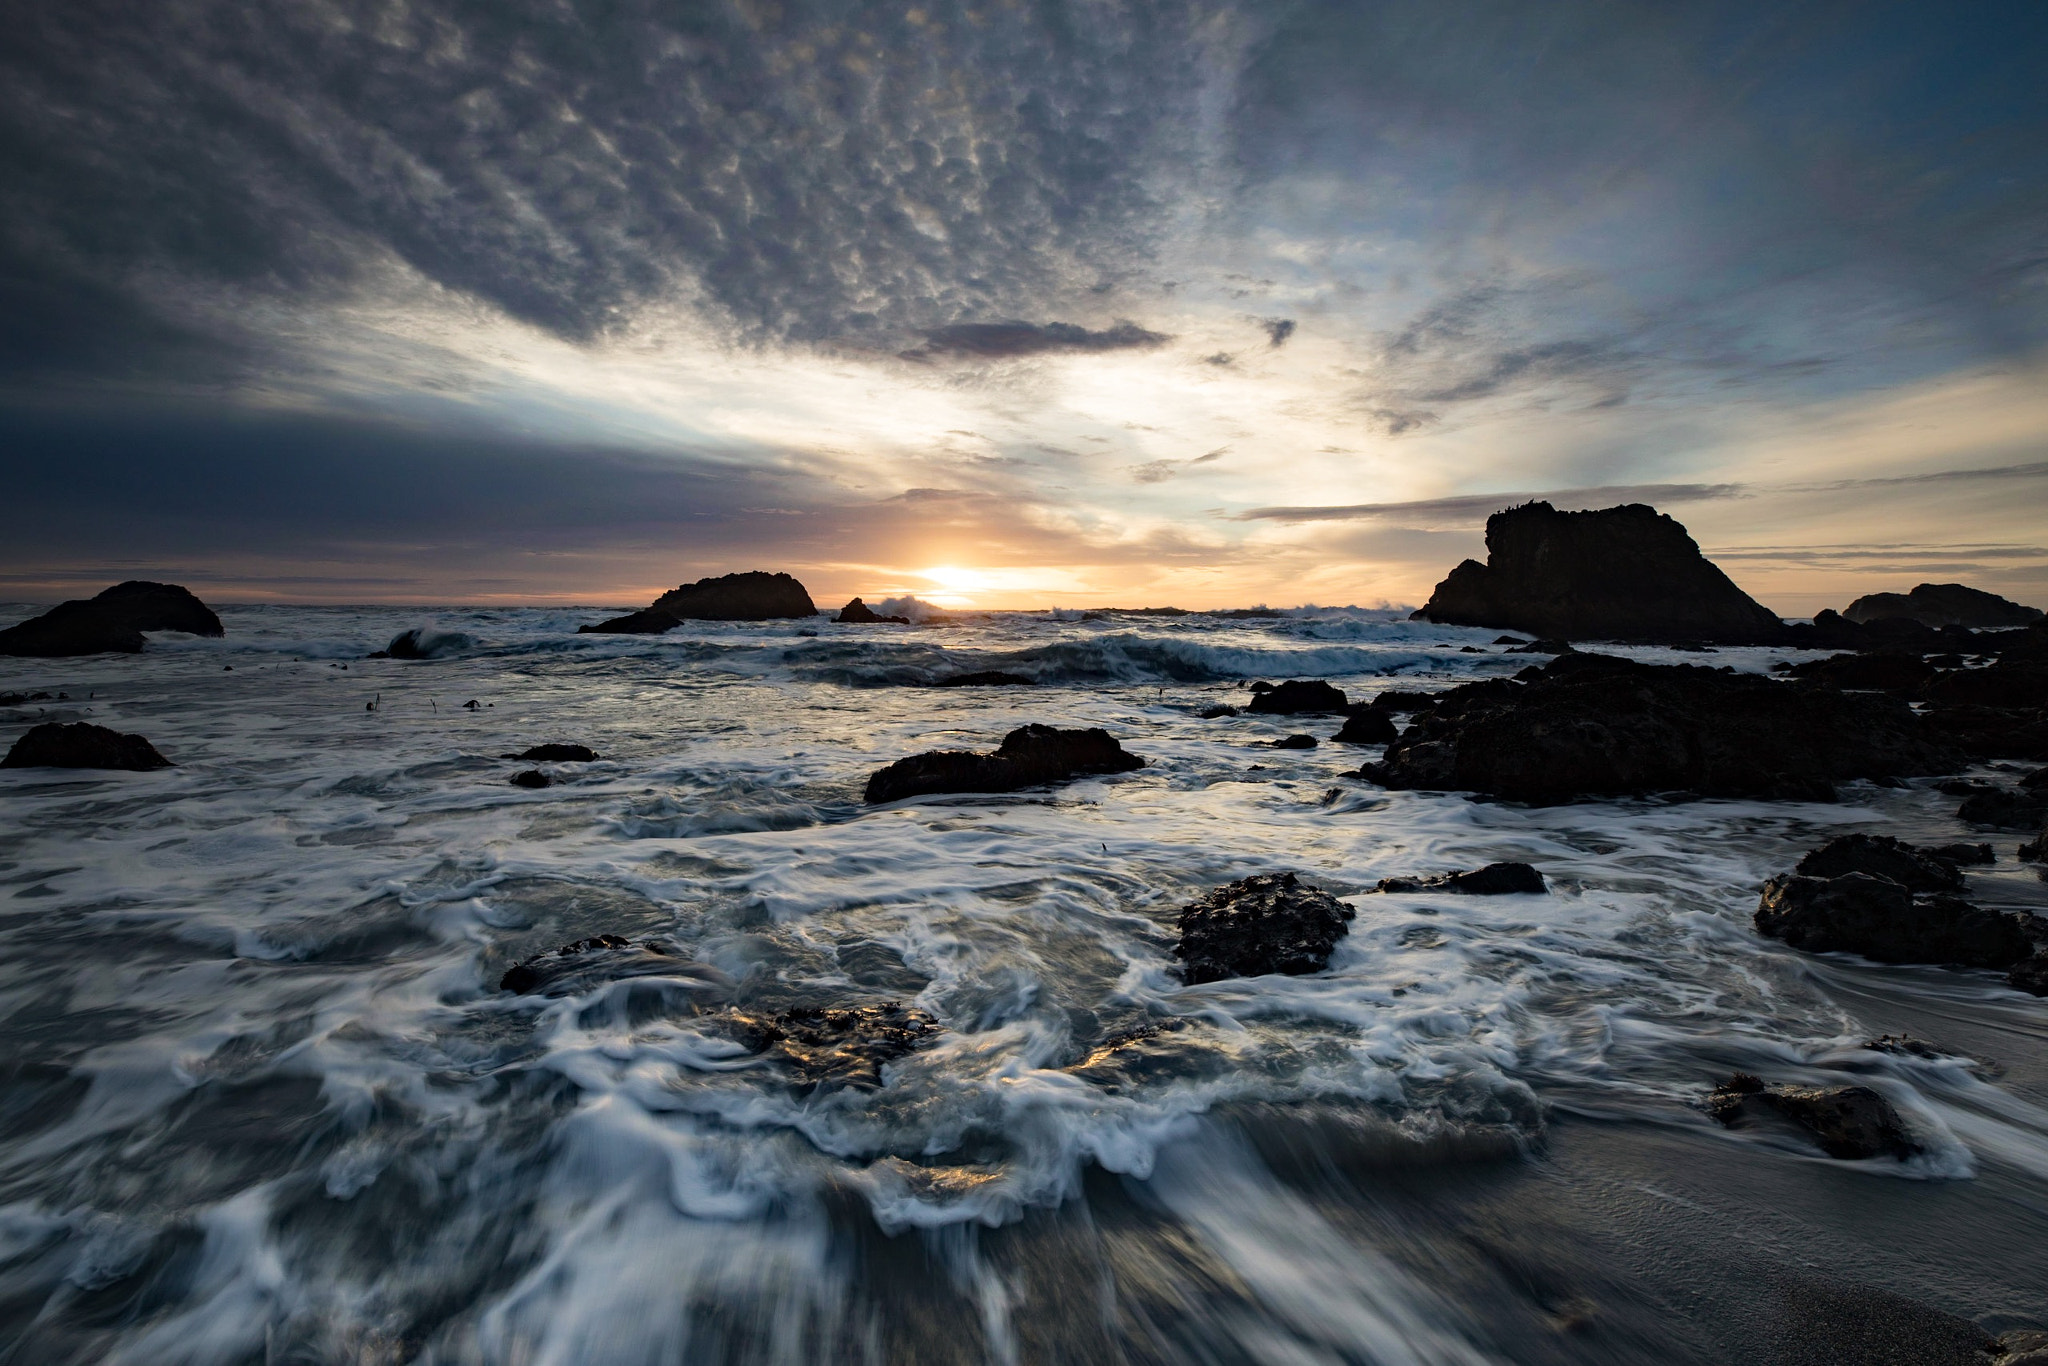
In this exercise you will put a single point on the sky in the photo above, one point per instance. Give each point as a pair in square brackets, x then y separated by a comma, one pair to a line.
[1013, 304]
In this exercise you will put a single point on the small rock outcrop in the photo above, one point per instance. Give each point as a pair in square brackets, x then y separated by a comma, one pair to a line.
[752, 596]
[1295, 742]
[1298, 697]
[858, 613]
[1595, 725]
[824, 1048]
[603, 958]
[1914, 869]
[1942, 604]
[110, 623]
[1269, 923]
[1853, 1123]
[1495, 879]
[1883, 921]
[2004, 810]
[80, 744]
[559, 754]
[531, 778]
[1367, 726]
[1624, 573]
[1029, 756]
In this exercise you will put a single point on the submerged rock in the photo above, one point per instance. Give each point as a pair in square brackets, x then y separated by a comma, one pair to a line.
[1216, 710]
[1942, 604]
[1298, 697]
[554, 753]
[752, 596]
[1367, 727]
[1853, 1123]
[1495, 879]
[1882, 856]
[80, 744]
[1268, 923]
[2005, 810]
[1883, 921]
[985, 678]
[1595, 725]
[829, 1048]
[532, 778]
[1295, 742]
[1029, 756]
[1622, 573]
[603, 958]
[858, 613]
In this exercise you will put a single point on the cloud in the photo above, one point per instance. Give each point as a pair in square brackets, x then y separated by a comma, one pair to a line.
[1475, 508]
[1278, 330]
[1011, 340]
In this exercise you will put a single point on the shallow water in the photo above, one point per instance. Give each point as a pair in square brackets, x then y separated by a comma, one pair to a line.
[264, 1103]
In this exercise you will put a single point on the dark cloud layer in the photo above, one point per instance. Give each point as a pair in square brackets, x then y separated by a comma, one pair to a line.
[1010, 340]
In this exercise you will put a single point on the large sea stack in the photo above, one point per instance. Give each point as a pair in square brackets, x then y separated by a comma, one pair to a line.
[1943, 604]
[1625, 573]
[752, 596]
[110, 623]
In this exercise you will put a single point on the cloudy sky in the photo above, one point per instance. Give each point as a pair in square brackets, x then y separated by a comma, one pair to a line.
[1012, 302]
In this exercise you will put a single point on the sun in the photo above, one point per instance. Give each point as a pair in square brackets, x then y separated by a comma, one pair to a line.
[953, 584]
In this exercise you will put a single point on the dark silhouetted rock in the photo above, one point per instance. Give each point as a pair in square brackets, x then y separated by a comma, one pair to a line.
[1269, 923]
[1990, 732]
[532, 777]
[158, 607]
[858, 613]
[2020, 684]
[1882, 856]
[825, 1048]
[2036, 849]
[752, 596]
[80, 744]
[1961, 853]
[560, 754]
[1594, 725]
[1401, 701]
[2005, 810]
[1885, 671]
[1543, 647]
[1298, 697]
[604, 958]
[1295, 742]
[1881, 920]
[1509, 640]
[1495, 879]
[1367, 727]
[1029, 756]
[1215, 710]
[1623, 573]
[68, 629]
[1848, 1122]
[985, 678]
[1942, 604]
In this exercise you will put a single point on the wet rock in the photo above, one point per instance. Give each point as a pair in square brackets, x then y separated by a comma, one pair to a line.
[603, 958]
[1216, 710]
[1544, 647]
[1268, 923]
[1885, 671]
[1509, 640]
[1942, 604]
[858, 613]
[2010, 684]
[532, 778]
[1595, 725]
[1853, 1123]
[985, 678]
[829, 1048]
[1961, 854]
[2020, 1347]
[1029, 756]
[1298, 697]
[69, 629]
[1990, 732]
[2004, 809]
[1903, 1045]
[554, 753]
[158, 607]
[1402, 702]
[752, 596]
[1495, 879]
[80, 744]
[1881, 920]
[1622, 573]
[2036, 849]
[1882, 856]
[1367, 727]
[1295, 742]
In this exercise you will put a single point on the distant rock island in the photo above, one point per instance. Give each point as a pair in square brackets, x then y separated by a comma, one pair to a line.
[1943, 604]
[1626, 573]
[752, 596]
[111, 623]
[859, 613]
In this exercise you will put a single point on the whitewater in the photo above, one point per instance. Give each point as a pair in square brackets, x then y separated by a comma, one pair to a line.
[263, 1101]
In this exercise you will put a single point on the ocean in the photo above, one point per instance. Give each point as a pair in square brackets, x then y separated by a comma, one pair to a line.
[263, 1100]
